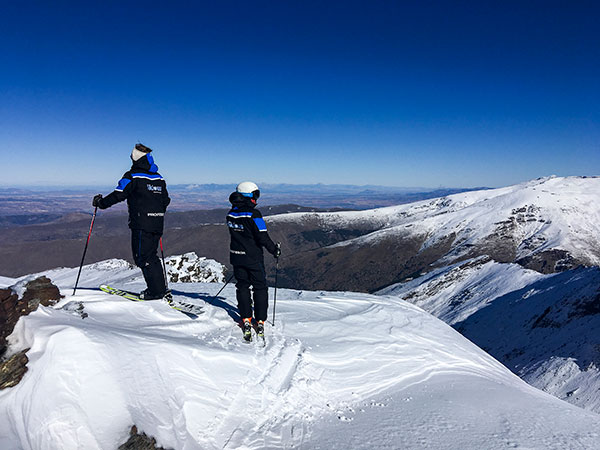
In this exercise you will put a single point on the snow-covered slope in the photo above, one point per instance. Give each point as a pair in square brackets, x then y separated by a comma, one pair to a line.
[340, 370]
[455, 292]
[548, 224]
[547, 332]
[543, 327]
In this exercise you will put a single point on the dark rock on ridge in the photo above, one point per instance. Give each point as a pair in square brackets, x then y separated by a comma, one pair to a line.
[38, 291]
[139, 441]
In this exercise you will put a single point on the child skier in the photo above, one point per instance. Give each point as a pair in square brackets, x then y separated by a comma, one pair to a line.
[249, 235]
[147, 200]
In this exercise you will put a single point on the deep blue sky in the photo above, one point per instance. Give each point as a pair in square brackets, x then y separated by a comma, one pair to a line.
[375, 92]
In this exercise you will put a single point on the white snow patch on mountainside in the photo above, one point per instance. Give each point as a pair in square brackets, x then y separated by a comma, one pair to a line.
[544, 214]
[340, 370]
[455, 292]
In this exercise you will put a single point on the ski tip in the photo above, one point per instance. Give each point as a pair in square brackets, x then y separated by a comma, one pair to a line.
[190, 315]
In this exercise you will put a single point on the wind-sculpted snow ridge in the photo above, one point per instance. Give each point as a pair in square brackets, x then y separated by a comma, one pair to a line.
[340, 370]
[516, 223]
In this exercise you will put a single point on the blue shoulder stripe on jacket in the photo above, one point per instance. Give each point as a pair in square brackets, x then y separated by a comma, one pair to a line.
[239, 214]
[122, 183]
[148, 176]
[260, 223]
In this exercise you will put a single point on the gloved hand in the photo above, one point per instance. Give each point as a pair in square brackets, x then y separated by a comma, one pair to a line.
[96, 200]
[277, 253]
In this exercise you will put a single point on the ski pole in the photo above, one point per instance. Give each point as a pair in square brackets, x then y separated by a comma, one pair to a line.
[226, 283]
[85, 249]
[164, 265]
[276, 274]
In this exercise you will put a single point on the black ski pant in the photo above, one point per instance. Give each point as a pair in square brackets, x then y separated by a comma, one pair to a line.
[252, 275]
[144, 245]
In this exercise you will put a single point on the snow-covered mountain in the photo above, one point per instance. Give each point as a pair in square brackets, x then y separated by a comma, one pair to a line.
[548, 225]
[340, 370]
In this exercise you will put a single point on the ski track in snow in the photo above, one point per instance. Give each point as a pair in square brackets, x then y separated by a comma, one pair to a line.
[339, 370]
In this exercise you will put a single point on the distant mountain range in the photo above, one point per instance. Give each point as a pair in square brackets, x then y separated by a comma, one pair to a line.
[22, 206]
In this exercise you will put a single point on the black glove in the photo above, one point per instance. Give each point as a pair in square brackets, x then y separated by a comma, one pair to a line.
[277, 253]
[96, 200]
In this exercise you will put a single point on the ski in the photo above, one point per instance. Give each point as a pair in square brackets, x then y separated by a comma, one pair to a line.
[188, 309]
[184, 307]
[125, 294]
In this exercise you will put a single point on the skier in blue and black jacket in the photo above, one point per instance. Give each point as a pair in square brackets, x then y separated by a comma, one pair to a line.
[248, 232]
[147, 199]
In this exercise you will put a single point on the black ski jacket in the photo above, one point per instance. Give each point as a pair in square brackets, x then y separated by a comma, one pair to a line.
[248, 232]
[146, 194]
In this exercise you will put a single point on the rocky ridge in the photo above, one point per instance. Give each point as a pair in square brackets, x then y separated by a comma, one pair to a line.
[15, 302]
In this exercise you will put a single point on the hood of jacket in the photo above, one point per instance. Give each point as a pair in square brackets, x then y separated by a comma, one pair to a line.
[145, 164]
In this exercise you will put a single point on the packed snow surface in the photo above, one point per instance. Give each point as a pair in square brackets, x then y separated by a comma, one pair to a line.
[536, 216]
[339, 370]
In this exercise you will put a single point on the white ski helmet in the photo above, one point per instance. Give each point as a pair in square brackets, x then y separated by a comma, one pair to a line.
[248, 189]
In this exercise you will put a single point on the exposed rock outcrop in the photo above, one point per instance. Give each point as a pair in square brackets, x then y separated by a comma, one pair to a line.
[13, 369]
[36, 292]
[190, 268]
[8, 315]
[139, 441]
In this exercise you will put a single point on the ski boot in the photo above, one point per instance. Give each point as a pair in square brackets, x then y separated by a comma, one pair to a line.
[247, 329]
[260, 329]
[145, 295]
[260, 332]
